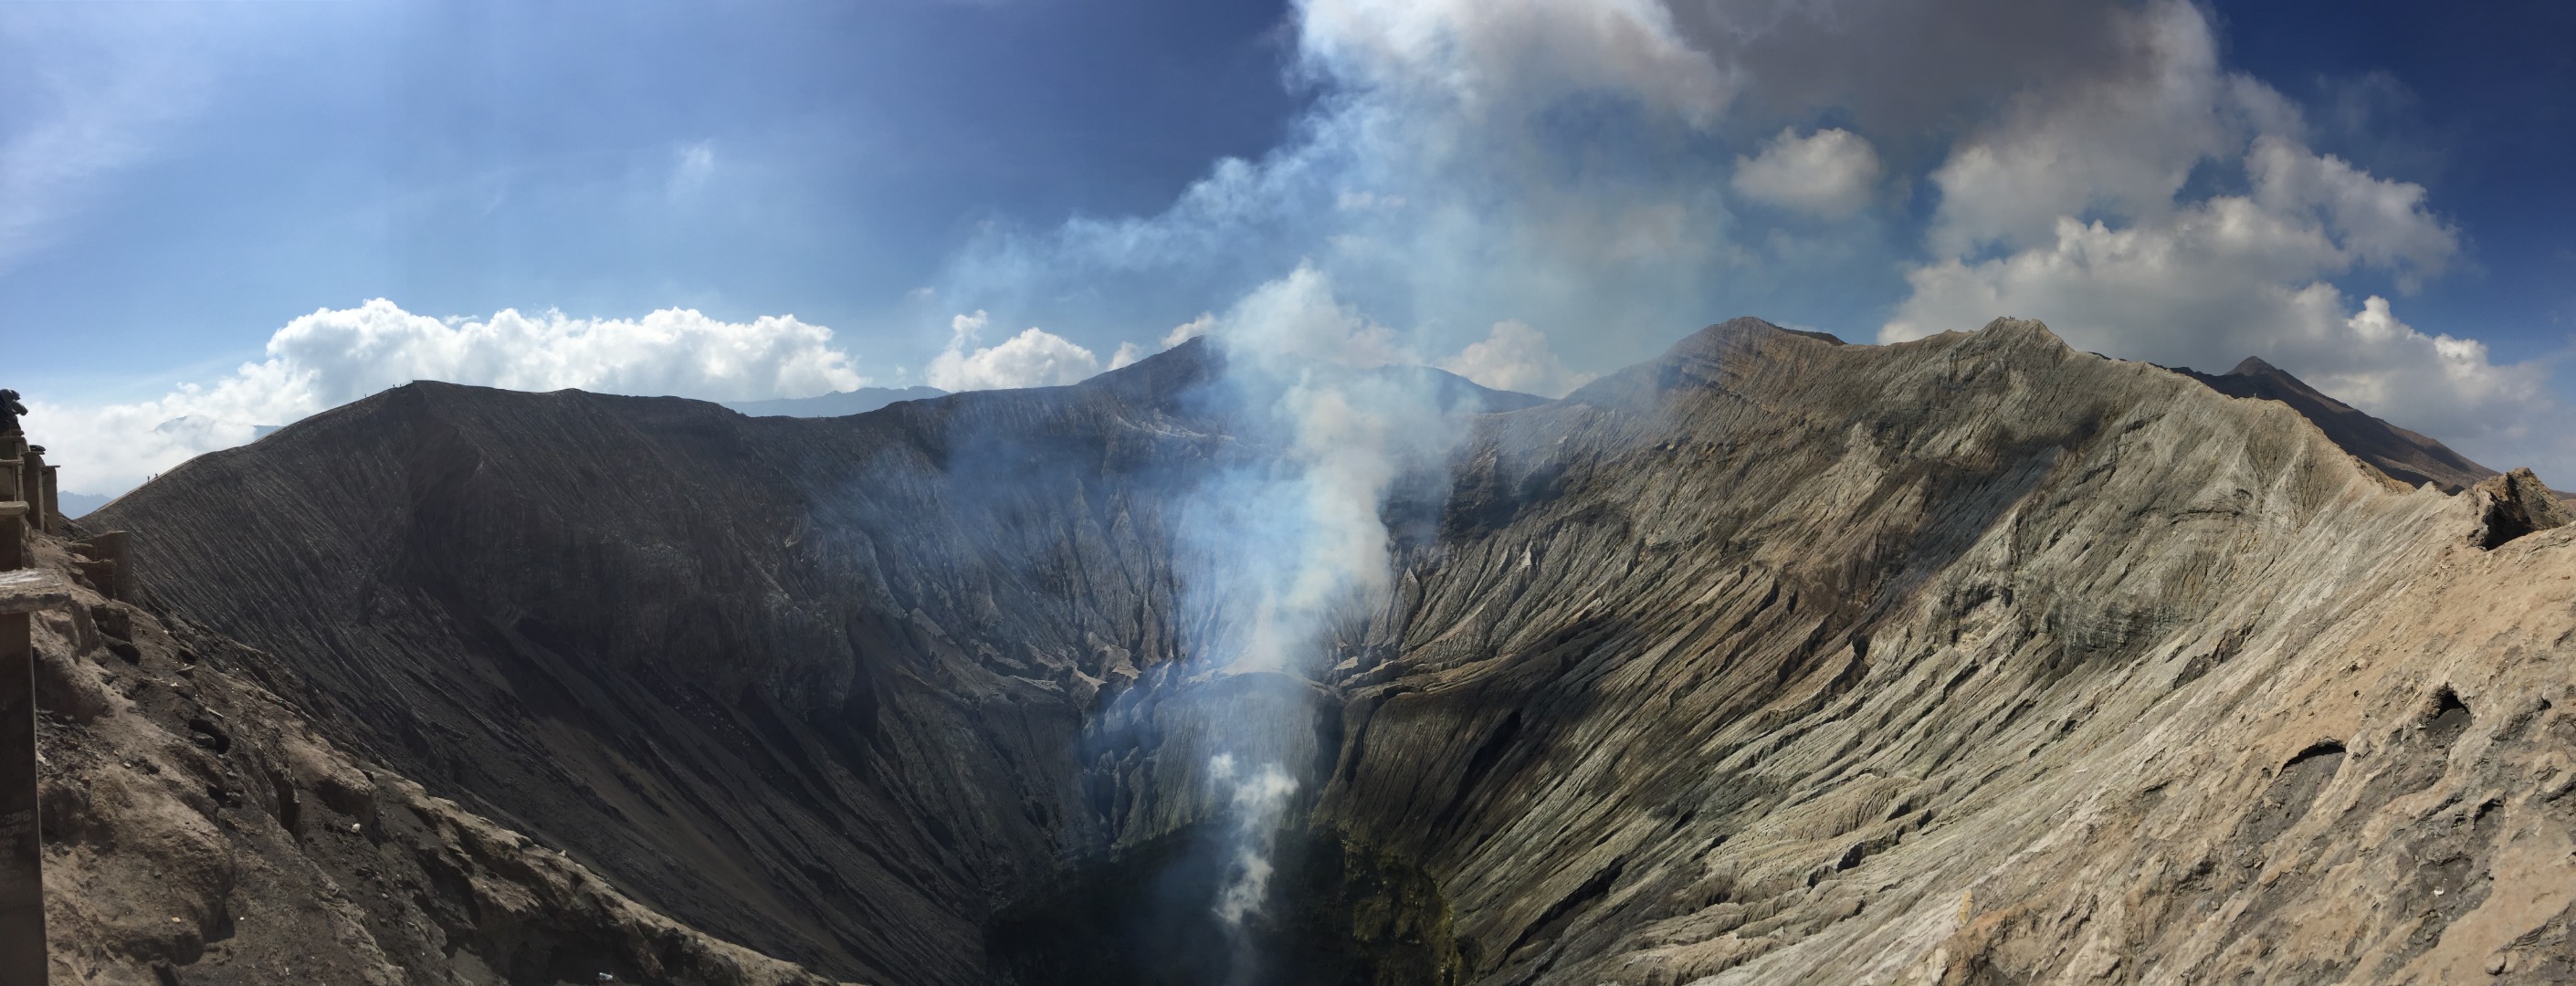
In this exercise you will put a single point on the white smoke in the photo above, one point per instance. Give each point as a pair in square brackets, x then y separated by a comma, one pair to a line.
[1285, 545]
[1256, 800]
[1516, 357]
[1619, 173]
[1432, 185]
[1295, 535]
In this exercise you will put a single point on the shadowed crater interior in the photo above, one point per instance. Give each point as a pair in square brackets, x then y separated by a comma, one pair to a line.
[1337, 914]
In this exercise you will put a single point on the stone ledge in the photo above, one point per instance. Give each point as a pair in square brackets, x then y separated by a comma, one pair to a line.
[28, 590]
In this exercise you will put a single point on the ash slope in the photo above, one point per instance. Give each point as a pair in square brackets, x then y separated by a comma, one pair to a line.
[2402, 454]
[1967, 659]
[199, 828]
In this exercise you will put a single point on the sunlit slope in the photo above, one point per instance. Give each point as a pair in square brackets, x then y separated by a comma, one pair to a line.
[1773, 658]
[1970, 657]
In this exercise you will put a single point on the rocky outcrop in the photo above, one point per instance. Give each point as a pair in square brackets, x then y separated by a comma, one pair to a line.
[2515, 504]
[199, 829]
[1973, 658]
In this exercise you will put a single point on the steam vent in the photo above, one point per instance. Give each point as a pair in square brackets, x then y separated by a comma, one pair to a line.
[1776, 660]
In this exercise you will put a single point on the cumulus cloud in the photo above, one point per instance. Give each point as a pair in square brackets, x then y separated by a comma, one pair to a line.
[2375, 221]
[1557, 163]
[1568, 163]
[1828, 173]
[2084, 192]
[1516, 357]
[2124, 142]
[331, 357]
[1127, 355]
[1506, 57]
[2226, 280]
[1033, 358]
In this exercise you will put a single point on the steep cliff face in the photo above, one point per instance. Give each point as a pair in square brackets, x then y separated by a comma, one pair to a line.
[199, 828]
[1967, 659]
[810, 684]
[1973, 657]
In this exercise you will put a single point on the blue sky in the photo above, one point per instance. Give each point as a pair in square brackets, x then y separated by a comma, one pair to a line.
[2475, 101]
[221, 215]
[465, 158]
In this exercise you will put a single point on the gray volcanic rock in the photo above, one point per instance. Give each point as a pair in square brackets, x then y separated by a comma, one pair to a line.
[815, 685]
[2409, 457]
[1969, 659]
[2515, 504]
[199, 828]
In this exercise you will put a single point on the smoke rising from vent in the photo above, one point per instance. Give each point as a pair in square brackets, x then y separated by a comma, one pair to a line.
[1610, 176]
[1256, 802]
[1286, 548]
[1292, 536]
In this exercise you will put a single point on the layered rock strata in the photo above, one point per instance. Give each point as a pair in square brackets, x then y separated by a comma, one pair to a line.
[2404, 455]
[200, 829]
[1971, 659]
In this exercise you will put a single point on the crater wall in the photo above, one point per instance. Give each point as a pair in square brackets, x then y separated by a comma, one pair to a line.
[1775, 660]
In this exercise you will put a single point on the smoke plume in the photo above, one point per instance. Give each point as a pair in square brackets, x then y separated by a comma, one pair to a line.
[1284, 548]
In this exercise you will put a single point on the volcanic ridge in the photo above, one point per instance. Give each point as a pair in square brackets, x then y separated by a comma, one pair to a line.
[1973, 659]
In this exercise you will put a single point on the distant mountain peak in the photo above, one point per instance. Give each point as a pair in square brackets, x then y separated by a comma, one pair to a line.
[842, 404]
[2254, 366]
[2404, 455]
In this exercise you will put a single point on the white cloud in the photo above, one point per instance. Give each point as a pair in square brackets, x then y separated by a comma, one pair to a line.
[1561, 163]
[332, 357]
[2084, 190]
[2123, 142]
[2211, 282]
[2223, 282]
[2372, 360]
[1506, 56]
[1366, 201]
[1033, 358]
[1565, 163]
[1829, 172]
[2378, 222]
[1127, 355]
[1516, 357]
